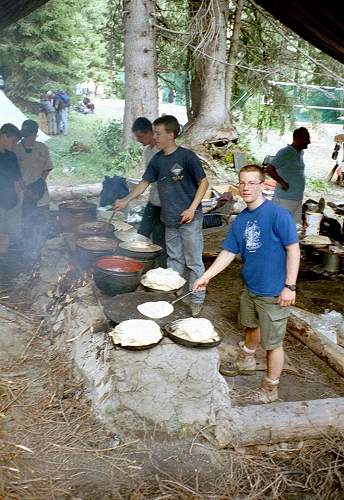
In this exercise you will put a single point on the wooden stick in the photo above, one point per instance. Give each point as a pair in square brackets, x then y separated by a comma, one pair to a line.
[32, 339]
[80, 334]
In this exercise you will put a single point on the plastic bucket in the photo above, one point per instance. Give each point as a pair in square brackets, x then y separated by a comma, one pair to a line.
[313, 220]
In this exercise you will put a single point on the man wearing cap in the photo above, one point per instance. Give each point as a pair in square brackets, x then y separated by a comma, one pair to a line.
[10, 185]
[35, 165]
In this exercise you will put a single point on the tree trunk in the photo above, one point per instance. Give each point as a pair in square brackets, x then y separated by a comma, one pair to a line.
[62, 193]
[232, 53]
[141, 83]
[212, 120]
[280, 422]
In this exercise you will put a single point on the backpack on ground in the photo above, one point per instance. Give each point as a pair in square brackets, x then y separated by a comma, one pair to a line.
[113, 188]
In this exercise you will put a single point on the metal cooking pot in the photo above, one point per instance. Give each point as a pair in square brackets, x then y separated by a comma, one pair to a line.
[148, 257]
[115, 275]
[91, 248]
[74, 213]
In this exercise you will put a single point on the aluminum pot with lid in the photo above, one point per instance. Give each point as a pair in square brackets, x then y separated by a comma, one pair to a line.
[146, 253]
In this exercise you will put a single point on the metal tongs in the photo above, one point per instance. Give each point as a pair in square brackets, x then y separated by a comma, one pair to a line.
[181, 297]
[111, 217]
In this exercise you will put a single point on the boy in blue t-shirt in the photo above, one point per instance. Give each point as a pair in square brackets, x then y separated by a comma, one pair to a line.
[265, 237]
[182, 184]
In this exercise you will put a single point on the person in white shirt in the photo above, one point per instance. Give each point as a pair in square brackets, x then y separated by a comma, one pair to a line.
[151, 226]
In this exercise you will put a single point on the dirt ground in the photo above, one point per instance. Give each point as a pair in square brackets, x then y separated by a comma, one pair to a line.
[52, 446]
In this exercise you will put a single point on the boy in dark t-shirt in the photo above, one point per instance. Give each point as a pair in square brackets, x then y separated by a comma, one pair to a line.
[181, 184]
[10, 179]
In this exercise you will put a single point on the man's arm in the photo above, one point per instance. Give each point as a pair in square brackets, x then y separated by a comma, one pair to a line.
[287, 297]
[189, 213]
[139, 189]
[220, 263]
[48, 164]
[271, 170]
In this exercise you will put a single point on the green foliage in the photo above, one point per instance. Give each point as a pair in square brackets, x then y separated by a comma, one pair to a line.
[314, 185]
[113, 35]
[275, 54]
[106, 155]
[56, 46]
[124, 160]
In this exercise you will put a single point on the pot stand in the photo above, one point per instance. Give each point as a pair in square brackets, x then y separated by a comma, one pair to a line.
[123, 307]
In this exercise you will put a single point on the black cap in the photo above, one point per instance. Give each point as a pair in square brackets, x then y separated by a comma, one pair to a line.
[29, 127]
[10, 130]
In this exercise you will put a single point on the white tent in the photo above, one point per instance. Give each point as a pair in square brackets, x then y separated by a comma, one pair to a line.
[9, 113]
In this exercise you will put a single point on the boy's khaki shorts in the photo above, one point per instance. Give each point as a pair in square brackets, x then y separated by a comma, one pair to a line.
[267, 314]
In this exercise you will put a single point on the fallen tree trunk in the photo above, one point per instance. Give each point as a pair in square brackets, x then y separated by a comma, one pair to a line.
[61, 193]
[328, 351]
[277, 423]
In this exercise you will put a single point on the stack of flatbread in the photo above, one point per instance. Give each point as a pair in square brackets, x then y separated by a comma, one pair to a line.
[136, 333]
[194, 330]
[162, 279]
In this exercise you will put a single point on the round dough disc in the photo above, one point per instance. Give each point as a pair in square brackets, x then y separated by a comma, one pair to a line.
[156, 310]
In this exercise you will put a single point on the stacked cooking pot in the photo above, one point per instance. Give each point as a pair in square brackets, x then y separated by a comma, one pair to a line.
[118, 259]
[122, 273]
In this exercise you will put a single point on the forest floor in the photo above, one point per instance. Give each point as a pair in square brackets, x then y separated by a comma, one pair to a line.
[53, 447]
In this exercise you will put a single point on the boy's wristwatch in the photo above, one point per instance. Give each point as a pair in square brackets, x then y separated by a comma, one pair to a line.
[291, 287]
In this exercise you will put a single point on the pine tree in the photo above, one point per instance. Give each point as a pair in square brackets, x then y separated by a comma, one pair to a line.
[54, 47]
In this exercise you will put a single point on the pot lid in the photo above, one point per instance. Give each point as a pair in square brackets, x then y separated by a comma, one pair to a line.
[77, 205]
[95, 227]
[140, 246]
[127, 236]
[96, 243]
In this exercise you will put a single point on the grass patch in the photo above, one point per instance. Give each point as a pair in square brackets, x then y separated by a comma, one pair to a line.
[102, 159]
[316, 187]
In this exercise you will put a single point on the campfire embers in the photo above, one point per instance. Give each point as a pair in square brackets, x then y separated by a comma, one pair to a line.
[67, 283]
